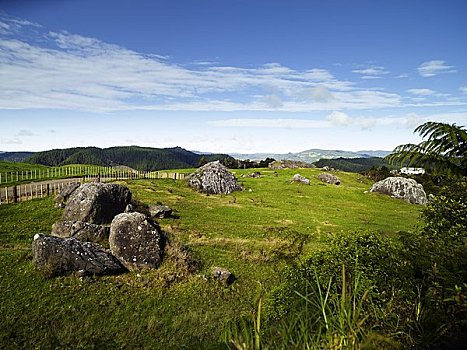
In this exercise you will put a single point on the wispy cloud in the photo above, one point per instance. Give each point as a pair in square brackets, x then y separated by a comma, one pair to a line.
[62, 70]
[421, 92]
[435, 67]
[24, 132]
[271, 123]
[463, 89]
[334, 119]
[372, 72]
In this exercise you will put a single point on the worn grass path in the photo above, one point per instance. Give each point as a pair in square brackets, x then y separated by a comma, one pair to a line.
[253, 233]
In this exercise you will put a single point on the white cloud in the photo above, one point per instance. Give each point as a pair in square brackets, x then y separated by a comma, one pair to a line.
[273, 101]
[434, 67]
[13, 141]
[421, 92]
[372, 72]
[270, 123]
[61, 70]
[463, 89]
[24, 132]
[367, 123]
[320, 93]
[339, 118]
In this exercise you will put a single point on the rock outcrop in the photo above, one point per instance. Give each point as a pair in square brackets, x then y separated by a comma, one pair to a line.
[96, 203]
[300, 179]
[83, 231]
[402, 188]
[329, 178]
[56, 256]
[136, 241]
[214, 178]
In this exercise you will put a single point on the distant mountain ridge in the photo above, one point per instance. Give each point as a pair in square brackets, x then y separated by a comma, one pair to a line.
[15, 156]
[139, 158]
[146, 158]
[312, 155]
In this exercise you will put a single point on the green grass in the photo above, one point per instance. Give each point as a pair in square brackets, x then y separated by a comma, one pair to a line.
[253, 233]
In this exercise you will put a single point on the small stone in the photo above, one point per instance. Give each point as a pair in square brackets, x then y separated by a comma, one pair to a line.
[160, 211]
[223, 275]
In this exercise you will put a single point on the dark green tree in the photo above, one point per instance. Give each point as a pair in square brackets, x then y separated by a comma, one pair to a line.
[202, 161]
[444, 150]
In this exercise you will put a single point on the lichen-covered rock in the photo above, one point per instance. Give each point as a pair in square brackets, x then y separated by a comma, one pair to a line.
[83, 231]
[301, 179]
[61, 198]
[55, 256]
[136, 241]
[329, 178]
[96, 203]
[402, 188]
[160, 211]
[214, 178]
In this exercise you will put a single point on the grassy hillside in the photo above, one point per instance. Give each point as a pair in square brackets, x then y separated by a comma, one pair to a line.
[254, 233]
[7, 166]
[139, 158]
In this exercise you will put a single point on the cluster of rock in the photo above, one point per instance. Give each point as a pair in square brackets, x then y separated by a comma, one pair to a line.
[214, 178]
[402, 188]
[289, 164]
[329, 178]
[95, 213]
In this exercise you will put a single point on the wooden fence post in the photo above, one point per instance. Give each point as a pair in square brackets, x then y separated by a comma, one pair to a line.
[48, 190]
[15, 194]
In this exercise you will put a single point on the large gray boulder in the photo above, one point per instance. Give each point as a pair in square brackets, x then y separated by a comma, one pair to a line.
[399, 187]
[83, 231]
[136, 241]
[214, 178]
[96, 203]
[56, 256]
[329, 178]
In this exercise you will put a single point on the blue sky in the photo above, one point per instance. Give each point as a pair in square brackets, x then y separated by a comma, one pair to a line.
[229, 76]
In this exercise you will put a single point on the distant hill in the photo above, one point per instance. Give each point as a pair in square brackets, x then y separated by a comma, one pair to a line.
[15, 156]
[139, 158]
[312, 155]
[355, 165]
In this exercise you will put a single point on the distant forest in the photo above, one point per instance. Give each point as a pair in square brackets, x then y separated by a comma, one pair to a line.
[150, 159]
[354, 165]
[139, 158]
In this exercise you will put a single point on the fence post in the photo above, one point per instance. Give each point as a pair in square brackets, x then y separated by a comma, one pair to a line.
[15, 194]
[6, 194]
